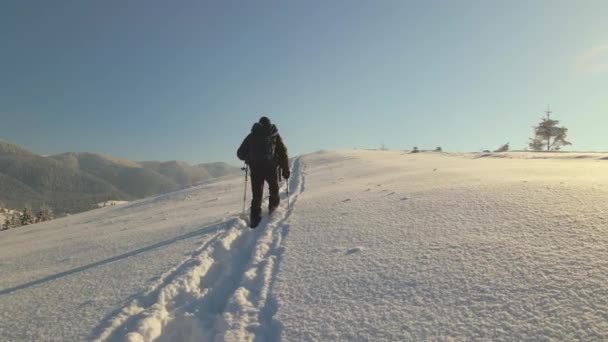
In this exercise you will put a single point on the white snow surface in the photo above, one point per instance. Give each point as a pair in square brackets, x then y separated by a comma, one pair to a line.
[374, 246]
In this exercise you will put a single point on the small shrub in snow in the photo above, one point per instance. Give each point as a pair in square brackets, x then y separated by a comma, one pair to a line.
[438, 149]
[415, 150]
[503, 148]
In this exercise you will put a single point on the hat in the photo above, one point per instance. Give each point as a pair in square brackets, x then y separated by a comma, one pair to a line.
[264, 121]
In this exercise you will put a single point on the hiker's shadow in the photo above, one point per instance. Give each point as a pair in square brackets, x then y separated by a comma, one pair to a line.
[205, 230]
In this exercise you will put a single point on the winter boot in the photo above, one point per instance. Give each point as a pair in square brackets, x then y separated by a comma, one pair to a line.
[271, 209]
[254, 219]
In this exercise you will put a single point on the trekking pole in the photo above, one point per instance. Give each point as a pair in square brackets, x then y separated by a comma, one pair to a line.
[246, 169]
[287, 181]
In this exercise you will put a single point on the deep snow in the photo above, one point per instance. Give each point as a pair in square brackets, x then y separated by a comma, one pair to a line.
[376, 245]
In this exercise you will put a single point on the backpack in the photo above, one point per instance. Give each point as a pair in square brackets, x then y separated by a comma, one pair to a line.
[269, 147]
[262, 147]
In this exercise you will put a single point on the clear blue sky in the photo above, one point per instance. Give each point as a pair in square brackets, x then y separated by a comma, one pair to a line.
[185, 80]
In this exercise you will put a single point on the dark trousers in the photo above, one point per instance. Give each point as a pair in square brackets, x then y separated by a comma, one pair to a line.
[260, 173]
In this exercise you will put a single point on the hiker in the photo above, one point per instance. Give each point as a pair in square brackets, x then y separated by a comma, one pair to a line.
[266, 155]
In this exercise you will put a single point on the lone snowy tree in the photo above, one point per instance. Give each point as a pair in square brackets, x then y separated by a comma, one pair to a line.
[548, 136]
[45, 214]
[27, 217]
[15, 220]
[7, 223]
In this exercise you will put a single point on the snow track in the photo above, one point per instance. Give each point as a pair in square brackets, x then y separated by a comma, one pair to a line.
[221, 292]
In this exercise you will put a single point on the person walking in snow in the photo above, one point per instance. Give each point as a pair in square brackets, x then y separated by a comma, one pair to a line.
[265, 154]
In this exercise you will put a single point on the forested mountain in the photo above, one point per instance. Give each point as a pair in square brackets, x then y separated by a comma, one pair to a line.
[73, 182]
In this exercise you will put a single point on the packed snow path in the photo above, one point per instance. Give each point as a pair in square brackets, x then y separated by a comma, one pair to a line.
[381, 246]
[221, 292]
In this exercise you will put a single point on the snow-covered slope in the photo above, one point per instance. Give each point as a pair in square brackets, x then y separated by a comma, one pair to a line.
[374, 246]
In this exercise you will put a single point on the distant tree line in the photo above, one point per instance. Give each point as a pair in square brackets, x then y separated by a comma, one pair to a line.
[27, 217]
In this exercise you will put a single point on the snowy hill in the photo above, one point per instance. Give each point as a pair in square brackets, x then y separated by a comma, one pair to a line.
[376, 245]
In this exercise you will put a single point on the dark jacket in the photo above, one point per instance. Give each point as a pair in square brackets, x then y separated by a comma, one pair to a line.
[249, 151]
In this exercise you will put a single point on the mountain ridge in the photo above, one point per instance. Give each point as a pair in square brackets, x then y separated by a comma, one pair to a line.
[72, 182]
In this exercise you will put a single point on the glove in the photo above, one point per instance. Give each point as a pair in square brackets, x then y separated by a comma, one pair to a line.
[286, 173]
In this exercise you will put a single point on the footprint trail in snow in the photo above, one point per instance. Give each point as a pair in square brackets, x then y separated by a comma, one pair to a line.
[220, 292]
